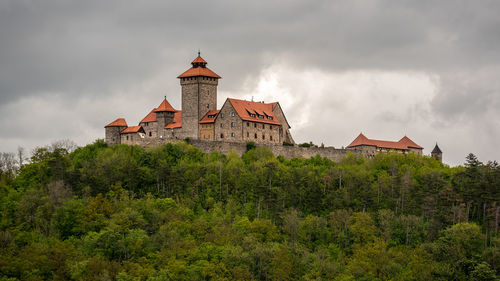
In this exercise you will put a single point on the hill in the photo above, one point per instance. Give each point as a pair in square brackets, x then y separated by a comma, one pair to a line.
[175, 213]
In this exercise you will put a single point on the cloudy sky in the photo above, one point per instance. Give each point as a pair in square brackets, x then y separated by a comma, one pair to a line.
[426, 69]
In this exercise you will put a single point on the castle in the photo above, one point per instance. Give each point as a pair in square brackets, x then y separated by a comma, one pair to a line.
[236, 123]
[237, 120]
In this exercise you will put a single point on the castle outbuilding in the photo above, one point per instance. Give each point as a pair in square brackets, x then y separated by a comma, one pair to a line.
[370, 146]
[237, 120]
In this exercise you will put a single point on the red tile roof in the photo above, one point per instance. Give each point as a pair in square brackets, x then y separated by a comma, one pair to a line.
[404, 144]
[120, 122]
[199, 59]
[177, 121]
[199, 71]
[164, 106]
[207, 119]
[151, 117]
[409, 143]
[133, 129]
[245, 108]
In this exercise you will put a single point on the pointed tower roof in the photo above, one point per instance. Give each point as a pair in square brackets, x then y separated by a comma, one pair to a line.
[409, 143]
[120, 122]
[164, 106]
[359, 140]
[199, 59]
[436, 149]
[199, 68]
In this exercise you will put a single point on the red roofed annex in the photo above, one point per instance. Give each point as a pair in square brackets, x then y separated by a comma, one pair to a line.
[199, 118]
[404, 145]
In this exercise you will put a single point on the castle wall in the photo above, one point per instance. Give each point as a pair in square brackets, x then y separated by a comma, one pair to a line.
[112, 134]
[151, 129]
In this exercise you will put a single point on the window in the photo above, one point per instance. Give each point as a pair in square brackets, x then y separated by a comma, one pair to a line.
[255, 135]
[232, 135]
[248, 134]
[270, 127]
[261, 116]
[127, 137]
[255, 125]
[222, 115]
[270, 117]
[232, 114]
[221, 136]
[232, 124]
[271, 137]
[263, 126]
[208, 106]
[248, 124]
[221, 125]
[252, 115]
[150, 134]
[263, 136]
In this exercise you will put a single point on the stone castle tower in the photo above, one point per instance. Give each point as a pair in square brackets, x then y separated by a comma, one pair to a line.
[199, 95]
[113, 130]
[437, 154]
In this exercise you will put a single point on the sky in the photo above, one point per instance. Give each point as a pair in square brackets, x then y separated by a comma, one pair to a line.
[425, 69]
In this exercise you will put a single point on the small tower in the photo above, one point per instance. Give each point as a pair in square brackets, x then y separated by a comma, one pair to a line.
[164, 115]
[113, 130]
[199, 95]
[437, 154]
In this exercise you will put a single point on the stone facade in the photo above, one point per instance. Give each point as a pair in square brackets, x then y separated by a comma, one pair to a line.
[199, 95]
[112, 134]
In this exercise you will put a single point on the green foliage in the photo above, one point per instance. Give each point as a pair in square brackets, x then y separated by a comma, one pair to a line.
[174, 213]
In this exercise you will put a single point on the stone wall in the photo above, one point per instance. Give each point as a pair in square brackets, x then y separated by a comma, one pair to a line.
[225, 147]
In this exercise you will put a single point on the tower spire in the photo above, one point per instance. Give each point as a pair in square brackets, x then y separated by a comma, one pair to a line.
[199, 53]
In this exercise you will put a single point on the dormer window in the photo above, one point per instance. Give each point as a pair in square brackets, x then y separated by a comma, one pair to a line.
[261, 116]
[270, 117]
[252, 115]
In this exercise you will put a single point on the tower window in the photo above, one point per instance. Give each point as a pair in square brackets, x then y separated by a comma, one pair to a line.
[248, 134]
[255, 135]
[271, 137]
[232, 124]
[232, 135]
[232, 114]
[221, 136]
[208, 106]
[248, 124]
[222, 125]
[150, 134]
[263, 136]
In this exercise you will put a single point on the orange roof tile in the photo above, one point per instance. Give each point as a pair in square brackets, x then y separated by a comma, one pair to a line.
[199, 71]
[245, 108]
[151, 117]
[207, 119]
[164, 106]
[199, 59]
[402, 144]
[409, 143]
[177, 121]
[120, 122]
[133, 129]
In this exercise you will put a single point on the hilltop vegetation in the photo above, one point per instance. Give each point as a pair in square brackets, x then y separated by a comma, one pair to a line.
[175, 213]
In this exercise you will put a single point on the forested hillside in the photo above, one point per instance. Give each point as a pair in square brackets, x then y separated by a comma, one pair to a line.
[174, 213]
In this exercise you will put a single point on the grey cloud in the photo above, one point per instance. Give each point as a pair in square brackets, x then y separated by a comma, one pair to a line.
[91, 49]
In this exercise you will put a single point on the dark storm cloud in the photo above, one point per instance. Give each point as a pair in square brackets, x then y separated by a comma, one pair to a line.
[92, 49]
